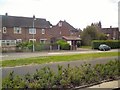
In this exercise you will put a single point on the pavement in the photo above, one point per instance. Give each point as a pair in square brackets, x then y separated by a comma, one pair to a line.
[108, 85]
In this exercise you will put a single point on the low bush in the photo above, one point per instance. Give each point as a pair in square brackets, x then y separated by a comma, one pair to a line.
[69, 77]
[63, 45]
[114, 44]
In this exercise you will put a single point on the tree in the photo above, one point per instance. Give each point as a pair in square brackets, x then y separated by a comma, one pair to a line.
[89, 33]
[102, 36]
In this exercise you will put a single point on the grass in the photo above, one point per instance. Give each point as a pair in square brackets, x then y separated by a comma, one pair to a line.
[48, 59]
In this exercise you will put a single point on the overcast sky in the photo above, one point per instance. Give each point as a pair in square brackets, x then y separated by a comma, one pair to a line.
[79, 13]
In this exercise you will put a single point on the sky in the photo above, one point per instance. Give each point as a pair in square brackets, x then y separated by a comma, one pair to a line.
[79, 13]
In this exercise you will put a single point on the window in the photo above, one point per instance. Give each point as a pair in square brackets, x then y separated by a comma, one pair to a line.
[32, 31]
[43, 41]
[19, 40]
[17, 30]
[60, 24]
[4, 30]
[43, 31]
[12, 42]
[3, 42]
[31, 40]
[8, 42]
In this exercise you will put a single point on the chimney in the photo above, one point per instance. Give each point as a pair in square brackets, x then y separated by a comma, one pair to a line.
[110, 26]
[6, 14]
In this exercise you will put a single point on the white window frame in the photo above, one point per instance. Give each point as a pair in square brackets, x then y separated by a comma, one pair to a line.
[4, 30]
[43, 41]
[17, 30]
[32, 30]
[9, 43]
[18, 40]
[32, 40]
[60, 24]
[43, 31]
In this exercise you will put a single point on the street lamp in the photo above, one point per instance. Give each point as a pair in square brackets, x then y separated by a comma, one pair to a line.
[33, 31]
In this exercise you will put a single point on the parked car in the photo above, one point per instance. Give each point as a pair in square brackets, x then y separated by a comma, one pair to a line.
[104, 47]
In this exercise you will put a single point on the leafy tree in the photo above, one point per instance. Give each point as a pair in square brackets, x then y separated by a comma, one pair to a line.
[91, 33]
[102, 36]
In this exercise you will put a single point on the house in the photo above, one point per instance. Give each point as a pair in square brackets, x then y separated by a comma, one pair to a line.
[17, 29]
[63, 28]
[112, 33]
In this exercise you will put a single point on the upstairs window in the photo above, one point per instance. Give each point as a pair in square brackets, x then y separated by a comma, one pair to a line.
[32, 31]
[4, 30]
[17, 30]
[60, 24]
[43, 31]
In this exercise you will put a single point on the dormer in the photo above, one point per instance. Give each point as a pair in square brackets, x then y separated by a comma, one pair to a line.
[60, 24]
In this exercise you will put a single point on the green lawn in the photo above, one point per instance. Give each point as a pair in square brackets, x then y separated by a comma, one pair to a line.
[48, 59]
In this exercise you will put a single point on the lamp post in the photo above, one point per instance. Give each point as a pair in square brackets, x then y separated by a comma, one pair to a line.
[33, 32]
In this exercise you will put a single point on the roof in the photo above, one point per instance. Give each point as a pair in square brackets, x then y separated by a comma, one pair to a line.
[12, 21]
[70, 27]
[69, 38]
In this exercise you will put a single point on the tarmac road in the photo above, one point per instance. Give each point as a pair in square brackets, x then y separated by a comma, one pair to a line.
[22, 70]
[12, 56]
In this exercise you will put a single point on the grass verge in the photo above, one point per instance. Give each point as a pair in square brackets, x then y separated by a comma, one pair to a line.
[48, 59]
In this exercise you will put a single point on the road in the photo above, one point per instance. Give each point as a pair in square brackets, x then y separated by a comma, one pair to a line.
[11, 56]
[22, 70]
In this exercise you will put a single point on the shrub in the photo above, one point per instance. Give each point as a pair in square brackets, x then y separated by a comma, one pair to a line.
[69, 77]
[28, 46]
[63, 45]
[114, 44]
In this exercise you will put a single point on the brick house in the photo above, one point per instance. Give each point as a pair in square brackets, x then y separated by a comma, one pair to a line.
[63, 29]
[112, 33]
[20, 29]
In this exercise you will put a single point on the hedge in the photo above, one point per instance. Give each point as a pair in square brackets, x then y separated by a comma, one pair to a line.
[69, 77]
[63, 45]
[114, 44]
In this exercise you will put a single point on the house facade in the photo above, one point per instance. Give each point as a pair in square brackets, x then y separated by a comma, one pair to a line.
[112, 33]
[16, 29]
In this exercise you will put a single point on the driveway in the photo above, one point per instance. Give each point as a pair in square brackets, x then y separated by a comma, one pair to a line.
[11, 56]
[22, 70]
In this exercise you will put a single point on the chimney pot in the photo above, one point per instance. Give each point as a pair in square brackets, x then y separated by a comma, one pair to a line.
[6, 14]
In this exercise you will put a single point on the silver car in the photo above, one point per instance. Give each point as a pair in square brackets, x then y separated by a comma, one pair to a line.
[104, 47]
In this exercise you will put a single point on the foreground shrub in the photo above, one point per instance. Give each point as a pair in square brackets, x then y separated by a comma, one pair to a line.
[69, 77]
